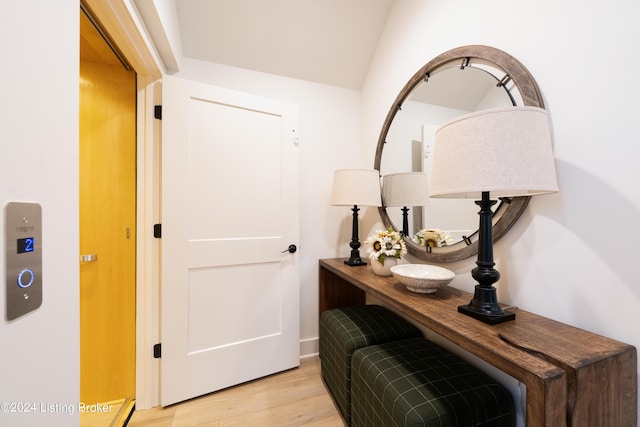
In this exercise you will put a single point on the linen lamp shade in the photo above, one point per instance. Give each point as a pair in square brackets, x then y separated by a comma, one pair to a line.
[405, 189]
[356, 187]
[507, 151]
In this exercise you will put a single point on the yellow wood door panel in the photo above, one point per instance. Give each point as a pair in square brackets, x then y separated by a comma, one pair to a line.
[107, 229]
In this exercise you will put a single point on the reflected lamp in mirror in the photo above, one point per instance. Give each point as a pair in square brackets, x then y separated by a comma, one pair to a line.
[404, 190]
[502, 152]
[356, 187]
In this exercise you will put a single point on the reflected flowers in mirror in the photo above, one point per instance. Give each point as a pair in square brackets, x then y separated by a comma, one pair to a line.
[432, 238]
[385, 244]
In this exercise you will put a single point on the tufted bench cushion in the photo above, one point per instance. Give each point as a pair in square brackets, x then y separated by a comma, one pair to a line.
[344, 330]
[415, 382]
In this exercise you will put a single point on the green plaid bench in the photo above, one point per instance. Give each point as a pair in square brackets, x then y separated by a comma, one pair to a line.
[415, 382]
[344, 330]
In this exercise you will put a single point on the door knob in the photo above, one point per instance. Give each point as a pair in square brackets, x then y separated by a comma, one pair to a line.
[88, 258]
[291, 249]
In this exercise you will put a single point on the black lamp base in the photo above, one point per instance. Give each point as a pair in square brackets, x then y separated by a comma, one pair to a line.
[484, 306]
[490, 318]
[354, 262]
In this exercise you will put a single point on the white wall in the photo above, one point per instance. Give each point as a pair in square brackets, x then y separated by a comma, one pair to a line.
[573, 256]
[329, 139]
[39, 352]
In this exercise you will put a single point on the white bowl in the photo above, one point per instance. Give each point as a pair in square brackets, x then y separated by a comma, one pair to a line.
[422, 278]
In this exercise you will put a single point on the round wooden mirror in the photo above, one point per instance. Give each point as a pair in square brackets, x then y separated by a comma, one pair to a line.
[459, 81]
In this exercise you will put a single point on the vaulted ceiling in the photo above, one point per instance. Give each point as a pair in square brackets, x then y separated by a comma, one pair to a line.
[325, 41]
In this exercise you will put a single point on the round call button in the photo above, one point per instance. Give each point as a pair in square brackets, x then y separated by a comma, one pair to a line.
[25, 278]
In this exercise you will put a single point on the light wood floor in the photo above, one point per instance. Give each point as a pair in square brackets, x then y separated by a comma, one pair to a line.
[115, 416]
[296, 397]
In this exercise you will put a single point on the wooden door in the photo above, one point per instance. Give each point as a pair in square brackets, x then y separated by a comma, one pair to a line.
[107, 222]
[230, 288]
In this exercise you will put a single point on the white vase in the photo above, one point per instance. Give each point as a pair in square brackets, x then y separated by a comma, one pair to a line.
[383, 269]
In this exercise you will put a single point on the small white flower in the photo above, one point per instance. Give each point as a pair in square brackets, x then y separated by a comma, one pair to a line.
[432, 237]
[385, 244]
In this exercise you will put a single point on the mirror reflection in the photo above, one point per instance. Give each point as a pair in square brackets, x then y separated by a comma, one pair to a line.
[449, 93]
[457, 82]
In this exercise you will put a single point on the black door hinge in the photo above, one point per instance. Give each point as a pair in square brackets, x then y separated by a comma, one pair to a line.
[157, 231]
[157, 112]
[157, 351]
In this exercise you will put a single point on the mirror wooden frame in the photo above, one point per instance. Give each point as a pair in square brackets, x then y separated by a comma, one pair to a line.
[510, 209]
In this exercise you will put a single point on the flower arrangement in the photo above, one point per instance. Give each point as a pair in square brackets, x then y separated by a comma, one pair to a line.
[385, 244]
[432, 238]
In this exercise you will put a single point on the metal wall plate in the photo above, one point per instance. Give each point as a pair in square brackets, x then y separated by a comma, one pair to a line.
[23, 249]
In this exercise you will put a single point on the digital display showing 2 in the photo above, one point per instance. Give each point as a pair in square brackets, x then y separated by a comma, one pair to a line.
[26, 245]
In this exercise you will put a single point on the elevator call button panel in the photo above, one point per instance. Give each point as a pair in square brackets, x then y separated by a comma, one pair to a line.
[23, 249]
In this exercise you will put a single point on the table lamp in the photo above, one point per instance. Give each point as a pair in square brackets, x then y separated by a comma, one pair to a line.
[502, 152]
[403, 190]
[356, 187]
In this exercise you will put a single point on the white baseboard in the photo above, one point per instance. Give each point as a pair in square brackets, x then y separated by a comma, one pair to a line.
[309, 347]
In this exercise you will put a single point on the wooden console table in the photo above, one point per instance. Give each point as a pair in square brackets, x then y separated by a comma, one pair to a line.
[573, 377]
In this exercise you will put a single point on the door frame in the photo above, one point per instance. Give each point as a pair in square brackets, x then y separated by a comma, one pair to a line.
[120, 20]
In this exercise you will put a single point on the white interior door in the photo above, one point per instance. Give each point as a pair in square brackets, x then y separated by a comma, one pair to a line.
[230, 290]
